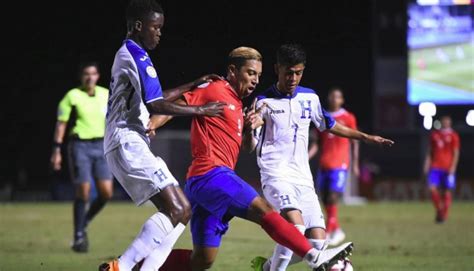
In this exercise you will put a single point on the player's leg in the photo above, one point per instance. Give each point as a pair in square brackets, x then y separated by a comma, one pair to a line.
[434, 181]
[207, 231]
[337, 184]
[449, 184]
[146, 177]
[283, 197]
[156, 229]
[81, 174]
[103, 181]
[158, 256]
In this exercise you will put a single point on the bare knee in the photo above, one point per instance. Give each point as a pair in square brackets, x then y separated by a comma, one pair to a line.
[258, 209]
[82, 192]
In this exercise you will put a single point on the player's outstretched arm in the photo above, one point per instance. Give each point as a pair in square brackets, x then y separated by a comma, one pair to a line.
[344, 131]
[173, 94]
[163, 107]
[156, 121]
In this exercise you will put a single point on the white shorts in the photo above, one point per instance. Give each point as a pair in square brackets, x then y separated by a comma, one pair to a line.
[283, 195]
[140, 173]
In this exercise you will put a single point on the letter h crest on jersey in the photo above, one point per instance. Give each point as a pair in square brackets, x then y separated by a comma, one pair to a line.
[305, 107]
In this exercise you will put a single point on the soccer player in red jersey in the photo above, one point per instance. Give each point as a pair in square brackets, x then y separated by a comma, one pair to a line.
[440, 166]
[214, 190]
[334, 163]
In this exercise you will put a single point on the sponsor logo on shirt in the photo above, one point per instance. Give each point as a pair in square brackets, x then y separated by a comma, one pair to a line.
[277, 111]
[143, 58]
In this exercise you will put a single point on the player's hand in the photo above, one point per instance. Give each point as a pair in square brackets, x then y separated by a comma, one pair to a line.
[155, 122]
[252, 117]
[379, 140]
[207, 79]
[212, 109]
[56, 160]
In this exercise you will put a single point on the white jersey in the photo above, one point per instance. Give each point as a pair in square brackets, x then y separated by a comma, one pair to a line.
[134, 83]
[282, 149]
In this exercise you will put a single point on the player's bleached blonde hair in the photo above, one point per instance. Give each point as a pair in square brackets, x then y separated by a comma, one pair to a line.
[239, 55]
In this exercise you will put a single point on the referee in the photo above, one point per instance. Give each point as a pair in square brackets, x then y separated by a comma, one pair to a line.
[85, 149]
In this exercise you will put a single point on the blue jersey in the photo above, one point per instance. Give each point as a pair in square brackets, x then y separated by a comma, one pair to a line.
[134, 84]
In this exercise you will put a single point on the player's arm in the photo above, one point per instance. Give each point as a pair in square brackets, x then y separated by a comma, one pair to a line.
[355, 157]
[344, 131]
[164, 107]
[252, 121]
[427, 163]
[355, 149]
[454, 165]
[56, 158]
[313, 146]
[156, 121]
[64, 111]
[173, 94]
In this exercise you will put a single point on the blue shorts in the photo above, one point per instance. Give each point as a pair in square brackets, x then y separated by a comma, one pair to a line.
[216, 197]
[333, 180]
[441, 179]
[87, 161]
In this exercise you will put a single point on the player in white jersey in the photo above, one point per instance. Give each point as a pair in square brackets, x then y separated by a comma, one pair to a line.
[281, 143]
[135, 95]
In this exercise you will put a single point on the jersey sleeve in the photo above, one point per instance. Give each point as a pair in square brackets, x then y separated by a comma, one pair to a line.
[65, 108]
[148, 77]
[321, 118]
[151, 87]
[196, 96]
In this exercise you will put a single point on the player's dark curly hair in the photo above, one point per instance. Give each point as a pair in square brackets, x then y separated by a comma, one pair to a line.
[138, 10]
[291, 54]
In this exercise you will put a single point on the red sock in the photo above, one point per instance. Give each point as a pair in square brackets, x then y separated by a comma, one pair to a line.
[436, 200]
[332, 223]
[447, 199]
[285, 233]
[178, 260]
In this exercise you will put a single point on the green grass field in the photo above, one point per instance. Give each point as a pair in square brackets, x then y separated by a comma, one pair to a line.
[387, 236]
[458, 73]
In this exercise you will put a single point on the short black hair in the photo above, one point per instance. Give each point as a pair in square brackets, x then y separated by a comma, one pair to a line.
[291, 54]
[138, 10]
[335, 88]
[87, 64]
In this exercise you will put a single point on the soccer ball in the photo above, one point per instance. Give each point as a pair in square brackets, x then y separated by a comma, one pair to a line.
[342, 265]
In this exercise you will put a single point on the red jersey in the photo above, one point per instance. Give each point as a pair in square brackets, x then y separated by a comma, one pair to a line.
[335, 150]
[215, 141]
[443, 144]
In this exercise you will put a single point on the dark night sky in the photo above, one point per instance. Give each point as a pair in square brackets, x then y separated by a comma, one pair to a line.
[49, 42]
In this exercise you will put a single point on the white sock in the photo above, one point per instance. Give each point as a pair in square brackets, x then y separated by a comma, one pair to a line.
[152, 234]
[282, 255]
[267, 264]
[319, 244]
[158, 256]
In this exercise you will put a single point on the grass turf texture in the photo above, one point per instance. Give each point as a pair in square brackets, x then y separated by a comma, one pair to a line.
[387, 236]
[458, 73]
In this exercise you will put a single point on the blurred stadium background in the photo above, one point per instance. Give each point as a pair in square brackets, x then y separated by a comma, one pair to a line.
[388, 56]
